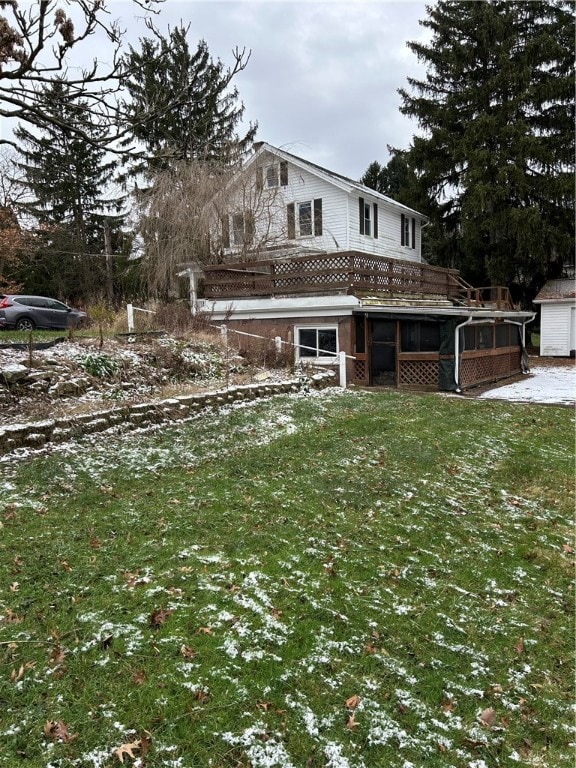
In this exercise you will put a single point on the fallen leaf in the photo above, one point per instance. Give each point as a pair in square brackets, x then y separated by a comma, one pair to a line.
[351, 724]
[205, 631]
[353, 702]
[488, 717]
[520, 646]
[159, 616]
[139, 677]
[187, 651]
[15, 676]
[57, 656]
[11, 617]
[57, 730]
[201, 696]
[128, 749]
[568, 549]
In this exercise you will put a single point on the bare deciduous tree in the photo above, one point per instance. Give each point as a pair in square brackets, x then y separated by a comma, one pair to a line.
[35, 46]
[206, 213]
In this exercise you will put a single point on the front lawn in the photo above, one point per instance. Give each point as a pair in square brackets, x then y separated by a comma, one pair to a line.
[338, 580]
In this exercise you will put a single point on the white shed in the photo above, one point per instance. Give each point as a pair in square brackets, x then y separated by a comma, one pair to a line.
[557, 301]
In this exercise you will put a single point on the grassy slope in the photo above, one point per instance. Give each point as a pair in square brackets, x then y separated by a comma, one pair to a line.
[345, 581]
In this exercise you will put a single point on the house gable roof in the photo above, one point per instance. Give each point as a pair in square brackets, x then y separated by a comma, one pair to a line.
[342, 182]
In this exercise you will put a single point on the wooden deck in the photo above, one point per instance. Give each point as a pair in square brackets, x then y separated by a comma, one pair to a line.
[350, 272]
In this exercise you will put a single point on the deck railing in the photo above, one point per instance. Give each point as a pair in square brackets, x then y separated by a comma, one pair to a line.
[349, 272]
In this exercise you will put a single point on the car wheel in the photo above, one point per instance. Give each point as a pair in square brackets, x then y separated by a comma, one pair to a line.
[25, 324]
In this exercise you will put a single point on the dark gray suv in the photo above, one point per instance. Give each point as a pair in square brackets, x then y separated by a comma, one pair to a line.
[24, 313]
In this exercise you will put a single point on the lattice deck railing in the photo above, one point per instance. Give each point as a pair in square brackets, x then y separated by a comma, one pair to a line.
[348, 271]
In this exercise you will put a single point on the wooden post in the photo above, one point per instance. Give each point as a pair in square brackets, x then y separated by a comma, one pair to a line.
[342, 368]
[109, 271]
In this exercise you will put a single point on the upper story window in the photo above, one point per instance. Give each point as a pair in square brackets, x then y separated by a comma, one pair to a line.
[368, 214]
[407, 231]
[304, 219]
[237, 229]
[272, 175]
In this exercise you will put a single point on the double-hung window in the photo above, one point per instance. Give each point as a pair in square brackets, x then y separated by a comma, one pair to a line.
[238, 228]
[368, 215]
[407, 231]
[304, 219]
[272, 175]
[317, 343]
[242, 229]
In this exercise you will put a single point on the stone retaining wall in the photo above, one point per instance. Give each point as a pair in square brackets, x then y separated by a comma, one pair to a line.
[35, 435]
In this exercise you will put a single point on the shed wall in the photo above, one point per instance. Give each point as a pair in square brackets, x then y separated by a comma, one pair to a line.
[557, 332]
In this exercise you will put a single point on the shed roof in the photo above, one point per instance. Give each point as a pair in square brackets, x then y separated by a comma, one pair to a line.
[557, 290]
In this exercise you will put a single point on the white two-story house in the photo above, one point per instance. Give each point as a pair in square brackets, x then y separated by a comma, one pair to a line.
[283, 201]
[324, 265]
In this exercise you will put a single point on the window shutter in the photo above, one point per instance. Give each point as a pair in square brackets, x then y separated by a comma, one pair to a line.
[225, 232]
[318, 217]
[402, 229]
[283, 173]
[249, 228]
[413, 233]
[291, 221]
[375, 208]
[259, 178]
[361, 211]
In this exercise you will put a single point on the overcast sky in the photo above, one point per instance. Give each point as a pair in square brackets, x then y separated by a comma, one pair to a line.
[323, 76]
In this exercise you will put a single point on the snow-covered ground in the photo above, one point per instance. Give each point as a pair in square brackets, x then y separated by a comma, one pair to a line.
[544, 384]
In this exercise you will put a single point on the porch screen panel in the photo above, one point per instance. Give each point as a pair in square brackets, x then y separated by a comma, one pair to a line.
[485, 336]
[503, 335]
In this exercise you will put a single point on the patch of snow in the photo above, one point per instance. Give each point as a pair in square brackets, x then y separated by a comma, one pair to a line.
[545, 384]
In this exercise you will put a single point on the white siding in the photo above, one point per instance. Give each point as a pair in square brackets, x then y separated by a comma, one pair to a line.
[340, 216]
[555, 329]
[388, 242]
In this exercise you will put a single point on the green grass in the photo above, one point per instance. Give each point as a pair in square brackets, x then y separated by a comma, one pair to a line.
[218, 593]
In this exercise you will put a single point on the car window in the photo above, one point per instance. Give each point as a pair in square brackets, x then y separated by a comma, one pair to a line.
[31, 301]
[54, 304]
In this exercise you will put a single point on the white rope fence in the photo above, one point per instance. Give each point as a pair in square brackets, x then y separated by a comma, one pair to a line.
[339, 357]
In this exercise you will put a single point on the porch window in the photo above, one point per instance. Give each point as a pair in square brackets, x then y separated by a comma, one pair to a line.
[316, 343]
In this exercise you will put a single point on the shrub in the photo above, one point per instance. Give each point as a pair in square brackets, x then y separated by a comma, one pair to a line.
[100, 366]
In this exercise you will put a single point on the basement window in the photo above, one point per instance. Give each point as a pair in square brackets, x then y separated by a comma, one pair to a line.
[316, 343]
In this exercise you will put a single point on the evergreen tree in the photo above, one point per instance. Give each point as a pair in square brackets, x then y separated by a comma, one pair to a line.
[497, 153]
[182, 106]
[67, 181]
